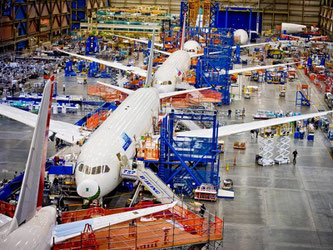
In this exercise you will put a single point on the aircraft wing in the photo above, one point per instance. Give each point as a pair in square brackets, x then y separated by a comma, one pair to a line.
[174, 93]
[251, 45]
[63, 130]
[162, 95]
[162, 52]
[116, 65]
[296, 37]
[233, 47]
[69, 230]
[124, 90]
[318, 38]
[237, 71]
[140, 40]
[146, 42]
[238, 128]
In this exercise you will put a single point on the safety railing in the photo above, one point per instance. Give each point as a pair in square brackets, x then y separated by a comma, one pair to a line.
[173, 227]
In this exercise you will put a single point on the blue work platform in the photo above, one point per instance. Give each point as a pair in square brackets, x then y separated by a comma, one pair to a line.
[213, 67]
[187, 162]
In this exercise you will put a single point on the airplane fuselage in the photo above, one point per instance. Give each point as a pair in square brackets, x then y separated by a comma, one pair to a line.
[171, 71]
[98, 168]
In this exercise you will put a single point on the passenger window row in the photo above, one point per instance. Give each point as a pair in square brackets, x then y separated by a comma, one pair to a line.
[94, 170]
[163, 83]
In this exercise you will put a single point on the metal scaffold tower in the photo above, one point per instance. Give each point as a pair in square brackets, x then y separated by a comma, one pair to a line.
[275, 141]
[210, 13]
[283, 145]
[187, 162]
[213, 68]
[267, 146]
[283, 150]
[184, 9]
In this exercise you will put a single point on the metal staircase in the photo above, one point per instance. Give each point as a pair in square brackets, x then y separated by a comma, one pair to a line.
[152, 182]
[183, 183]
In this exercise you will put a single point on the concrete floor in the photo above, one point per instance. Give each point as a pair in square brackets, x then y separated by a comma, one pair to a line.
[279, 207]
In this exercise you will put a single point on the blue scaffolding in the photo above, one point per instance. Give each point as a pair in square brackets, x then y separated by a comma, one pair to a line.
[276, 77]
[92, 46]
[69, 71]
[214, 14]
[214, 10]
[213, 68]
[184, 9]
[187, 162]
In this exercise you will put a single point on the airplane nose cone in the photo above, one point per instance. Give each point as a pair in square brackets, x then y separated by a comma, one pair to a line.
[88, 189]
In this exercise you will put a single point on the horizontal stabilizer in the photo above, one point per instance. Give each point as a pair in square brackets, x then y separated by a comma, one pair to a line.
[124, 90]
[242, 127]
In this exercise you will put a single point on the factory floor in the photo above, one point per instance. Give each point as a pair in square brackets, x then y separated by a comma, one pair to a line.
[277, 207]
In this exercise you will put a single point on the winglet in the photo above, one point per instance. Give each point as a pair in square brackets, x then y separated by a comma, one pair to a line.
[33, 180]
[150, 62]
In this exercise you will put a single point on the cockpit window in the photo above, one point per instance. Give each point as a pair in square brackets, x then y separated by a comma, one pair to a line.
[87, 170]
[93, 171]
[81, 167]
[99, 169]
[106, 168]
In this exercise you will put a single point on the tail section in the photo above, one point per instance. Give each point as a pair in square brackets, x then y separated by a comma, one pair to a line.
[33, 182]
[150, 62]
[183, 34]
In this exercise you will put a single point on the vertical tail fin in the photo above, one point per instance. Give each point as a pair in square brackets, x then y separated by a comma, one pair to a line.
[33, 180]
[183, 34]
[150, 62]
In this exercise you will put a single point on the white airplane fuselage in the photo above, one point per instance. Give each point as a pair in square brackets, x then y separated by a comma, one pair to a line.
[131, 120]
[289, 28]
[118, 133]
[172, 71]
